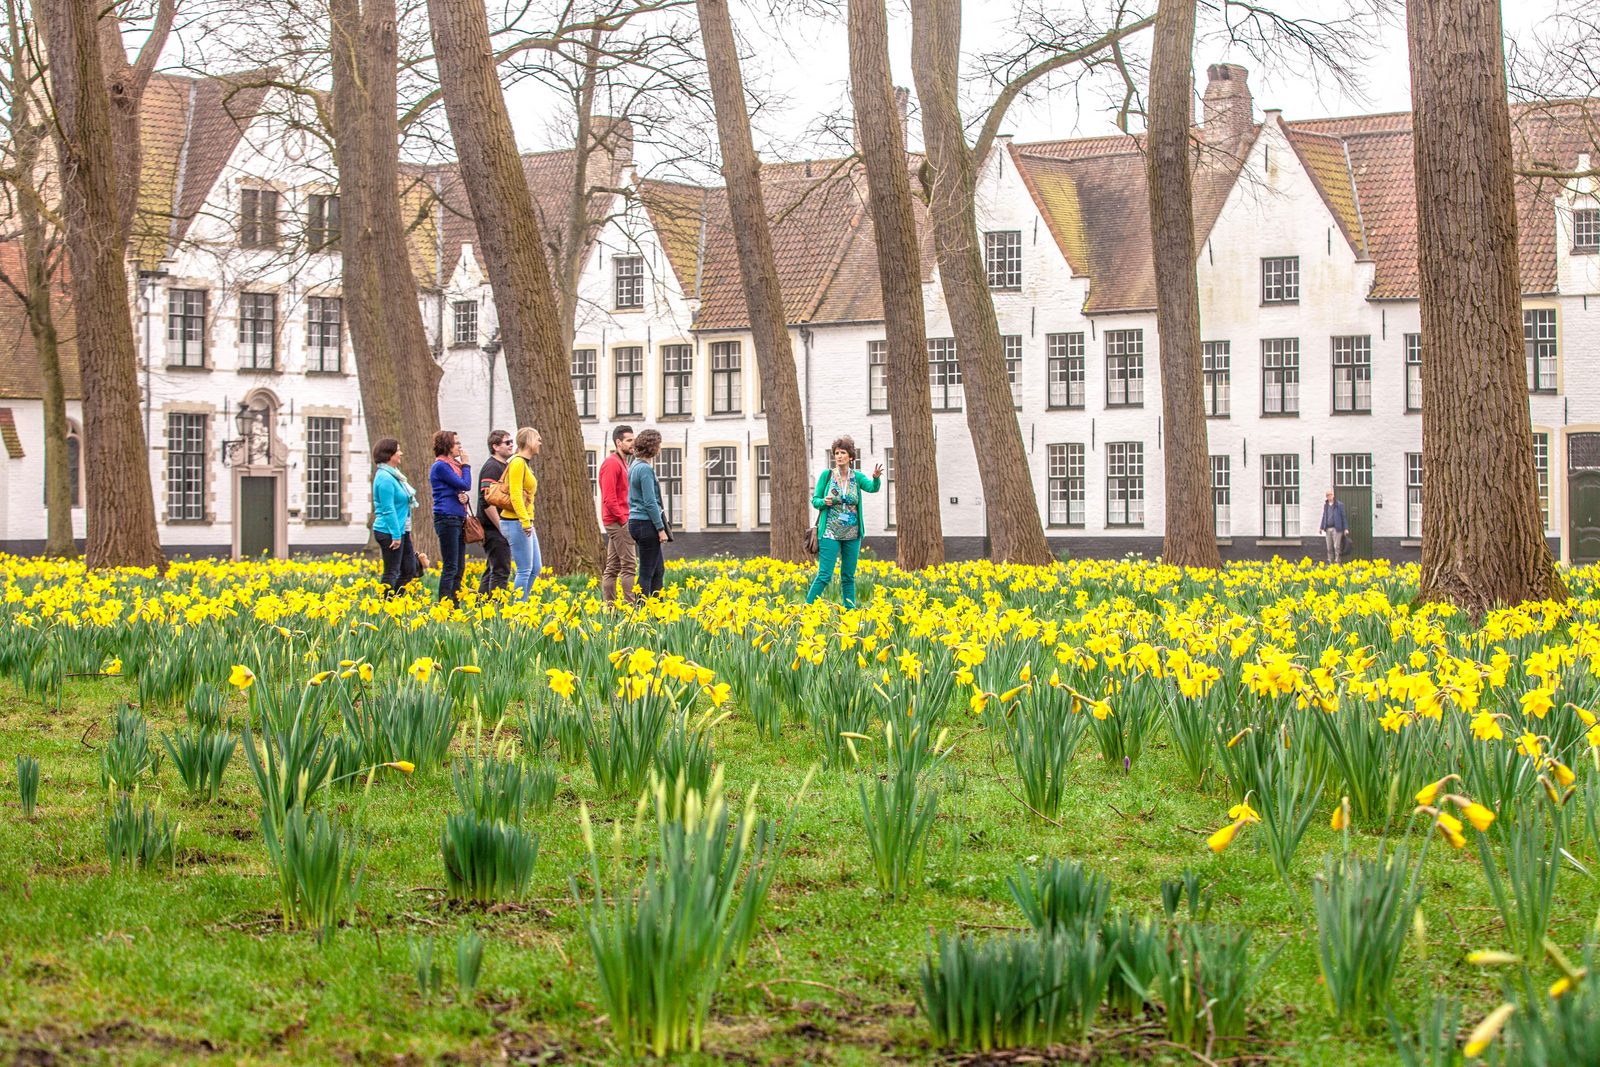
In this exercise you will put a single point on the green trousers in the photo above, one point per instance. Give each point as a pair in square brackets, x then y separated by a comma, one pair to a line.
[829, 553]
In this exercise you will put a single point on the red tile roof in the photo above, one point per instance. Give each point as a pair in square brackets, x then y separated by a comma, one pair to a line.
[19, 361]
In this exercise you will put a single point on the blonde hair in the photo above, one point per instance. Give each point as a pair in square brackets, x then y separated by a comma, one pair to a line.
[525, 437]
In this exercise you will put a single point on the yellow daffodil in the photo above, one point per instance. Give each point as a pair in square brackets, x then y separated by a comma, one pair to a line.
[719, 693]
[1484, 1033]
[365, 672]
[468, 668]
[1492, 958]
[320, 677]
[1243, 812]
[562, 683]
[1528, 745]
[1341, 816]
[403, 766]
[1223, 837]
[422, 668]
[1479, 816]
[242, 677]
[1426, 794]
[113, 667]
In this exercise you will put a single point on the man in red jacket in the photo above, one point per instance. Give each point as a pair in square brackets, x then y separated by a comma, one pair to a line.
[621, 561]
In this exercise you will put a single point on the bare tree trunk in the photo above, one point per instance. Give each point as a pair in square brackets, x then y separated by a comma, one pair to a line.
[1482, 540]
[121, 523]
[513, 251]
[919, 535]
[1012, 511]
[1190, 539]
[758, 268]
[38, 244]
[398, 376]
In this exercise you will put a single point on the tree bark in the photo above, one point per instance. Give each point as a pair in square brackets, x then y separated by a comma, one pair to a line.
[919, 534]
[513, 252]
[1483, 542]
[120, 512]
[1190, 539]
[398, 376]
[758, 269]
[1011, 508]
[574, 232]
[38, 250]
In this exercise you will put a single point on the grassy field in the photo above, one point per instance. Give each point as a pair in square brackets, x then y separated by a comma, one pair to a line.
[191, 964]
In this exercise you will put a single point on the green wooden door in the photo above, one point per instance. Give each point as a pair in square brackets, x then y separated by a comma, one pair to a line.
[1352, 484]
[1583, 498]
[257, 522]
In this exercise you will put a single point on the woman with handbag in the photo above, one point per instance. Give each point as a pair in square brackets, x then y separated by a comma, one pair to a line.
[451, 480]
[512, 497]
[392, 501]
[647, 519]
[837, 498]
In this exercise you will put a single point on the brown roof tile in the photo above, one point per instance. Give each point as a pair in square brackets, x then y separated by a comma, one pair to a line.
[19, 362]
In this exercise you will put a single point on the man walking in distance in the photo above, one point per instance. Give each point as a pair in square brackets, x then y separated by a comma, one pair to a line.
[621, 556]
[1334, 527]
[496, 549]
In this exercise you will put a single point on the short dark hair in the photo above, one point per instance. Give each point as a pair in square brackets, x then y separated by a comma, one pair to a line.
[847, 443]
[496, 436]
[620, 432]
[443, 442]
[384, 450]
[647, 444]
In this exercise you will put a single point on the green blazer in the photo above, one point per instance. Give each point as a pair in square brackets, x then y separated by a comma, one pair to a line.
[828, 515]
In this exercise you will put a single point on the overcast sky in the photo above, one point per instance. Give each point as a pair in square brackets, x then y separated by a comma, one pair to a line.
[805, 63]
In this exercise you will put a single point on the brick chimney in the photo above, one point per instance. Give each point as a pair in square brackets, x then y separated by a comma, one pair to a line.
[1228, 114]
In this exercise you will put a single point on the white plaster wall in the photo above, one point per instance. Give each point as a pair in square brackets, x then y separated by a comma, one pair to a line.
[22, 480]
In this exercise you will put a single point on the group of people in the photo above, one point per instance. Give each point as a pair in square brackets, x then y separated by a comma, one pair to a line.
[498, 510]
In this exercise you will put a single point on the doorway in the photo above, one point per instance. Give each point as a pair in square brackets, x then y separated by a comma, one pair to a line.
[1352, 484]
[1583, 498]
[258, 497]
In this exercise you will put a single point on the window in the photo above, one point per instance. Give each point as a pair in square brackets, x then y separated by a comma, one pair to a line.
[186, 467]
[464, 319]
[877, 376]
[258, 317]
[324, 473]
[669, 472]
[1125, 484]
[324, 333]
[1216, 361]
[591, 460]
[1541, 472]
[1352, 470]
[1012, 345]
[258, 218]
[944, 374]
[186, 328]
[585, 372]
[1222, 495]
[1586, 229]
[1003, 255]
[1280, 376]
[1124, 368]
[322, 221]
[1065, 468]
[722, 486]
[1280, 496]
[677, 379]
[1414, 494]
[1352, 375]
[1413, 372]
[727, 380]
[628, 397]
[1064, 353]
[888, 486]
[1539, 337]
[763, 486]
[627, 282]
[1280, 280]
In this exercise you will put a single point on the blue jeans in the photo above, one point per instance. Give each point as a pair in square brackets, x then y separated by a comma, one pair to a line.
[452, 553]
[524, 553]
[843, 553]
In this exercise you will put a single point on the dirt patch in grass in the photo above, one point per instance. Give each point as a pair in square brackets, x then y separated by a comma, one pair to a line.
[47, 1046]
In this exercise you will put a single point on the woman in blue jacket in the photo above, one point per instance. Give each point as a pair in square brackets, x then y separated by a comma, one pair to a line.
[647, 520]
[837, 497]
[392, 501]
[450, 477]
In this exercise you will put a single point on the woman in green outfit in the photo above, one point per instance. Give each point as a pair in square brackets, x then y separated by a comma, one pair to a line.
[838, 499]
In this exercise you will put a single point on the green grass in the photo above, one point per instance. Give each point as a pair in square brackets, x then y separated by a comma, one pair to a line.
[192, 964]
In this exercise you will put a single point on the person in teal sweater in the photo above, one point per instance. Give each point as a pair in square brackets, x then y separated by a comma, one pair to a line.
[837, 499]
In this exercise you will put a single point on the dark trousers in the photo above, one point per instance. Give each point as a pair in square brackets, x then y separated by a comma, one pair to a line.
[652, 567]
[397, 553]
[497, 559]
[452, 531]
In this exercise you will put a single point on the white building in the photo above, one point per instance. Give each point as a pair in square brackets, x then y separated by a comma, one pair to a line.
[1305, 232]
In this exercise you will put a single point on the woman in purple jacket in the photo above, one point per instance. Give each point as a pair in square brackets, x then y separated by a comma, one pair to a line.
[451, 480]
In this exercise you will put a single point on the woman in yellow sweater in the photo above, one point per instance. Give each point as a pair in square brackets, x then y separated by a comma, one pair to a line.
[519, 531]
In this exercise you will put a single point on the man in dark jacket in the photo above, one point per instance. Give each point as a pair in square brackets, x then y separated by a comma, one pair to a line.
[496, 549]
[1334, 527]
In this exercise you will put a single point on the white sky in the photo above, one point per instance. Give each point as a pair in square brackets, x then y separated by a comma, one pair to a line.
[805, 63]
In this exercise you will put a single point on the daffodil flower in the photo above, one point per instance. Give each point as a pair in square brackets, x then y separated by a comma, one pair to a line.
[242, 677]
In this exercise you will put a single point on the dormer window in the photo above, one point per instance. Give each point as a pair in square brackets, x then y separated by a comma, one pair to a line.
[258, 218]
[628, 282]
[1586, 229]
[1003, 254]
